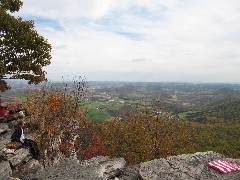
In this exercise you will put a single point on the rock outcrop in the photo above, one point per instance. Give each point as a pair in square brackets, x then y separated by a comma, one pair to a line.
[96, 168]
[186, 166]
[10, 162]
[5, 170]
[3, 128]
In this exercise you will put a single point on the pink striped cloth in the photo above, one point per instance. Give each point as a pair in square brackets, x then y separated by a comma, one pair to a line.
[223, 166]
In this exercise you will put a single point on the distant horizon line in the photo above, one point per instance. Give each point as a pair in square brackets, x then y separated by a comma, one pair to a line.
[124, 81]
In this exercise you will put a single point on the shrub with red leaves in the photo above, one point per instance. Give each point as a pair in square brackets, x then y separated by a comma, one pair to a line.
[97, 148]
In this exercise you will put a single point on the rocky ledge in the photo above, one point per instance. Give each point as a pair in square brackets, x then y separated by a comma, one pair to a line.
[9, 163]
[186, 166]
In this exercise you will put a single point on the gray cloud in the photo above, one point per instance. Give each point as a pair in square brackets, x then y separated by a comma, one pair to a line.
[141, 60]
[63, 46]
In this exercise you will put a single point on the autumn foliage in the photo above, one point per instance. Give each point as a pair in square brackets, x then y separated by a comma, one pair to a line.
[96, 148]
[55, 118]
[141, 135]
[61, 126]
[24, 52]
[65, 148]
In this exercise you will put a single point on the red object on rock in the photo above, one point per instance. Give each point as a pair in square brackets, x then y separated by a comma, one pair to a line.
[223, 166]
[3, 113]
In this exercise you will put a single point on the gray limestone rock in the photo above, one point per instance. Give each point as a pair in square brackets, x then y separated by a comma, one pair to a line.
[10, 162]
[5, 170]
[30, 167]
[130, 173]
[3, 128]
[5, 135]
[97, 168]
[21, 155]
[186, 166]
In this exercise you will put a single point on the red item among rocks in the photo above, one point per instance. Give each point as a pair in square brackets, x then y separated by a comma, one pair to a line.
[223, 166]
[3, 113]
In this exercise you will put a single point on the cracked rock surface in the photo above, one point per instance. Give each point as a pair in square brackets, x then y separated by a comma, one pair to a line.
[182, 167]
[97, 168]
[10, 162]
[186, 166]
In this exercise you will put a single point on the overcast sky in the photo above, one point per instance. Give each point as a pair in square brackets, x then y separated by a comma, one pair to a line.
[140, 40]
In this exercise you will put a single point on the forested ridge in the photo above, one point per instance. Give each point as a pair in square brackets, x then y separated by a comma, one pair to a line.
[221, 111]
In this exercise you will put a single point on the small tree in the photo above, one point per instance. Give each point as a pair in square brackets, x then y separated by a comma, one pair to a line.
[56, 118]
[23, 52]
